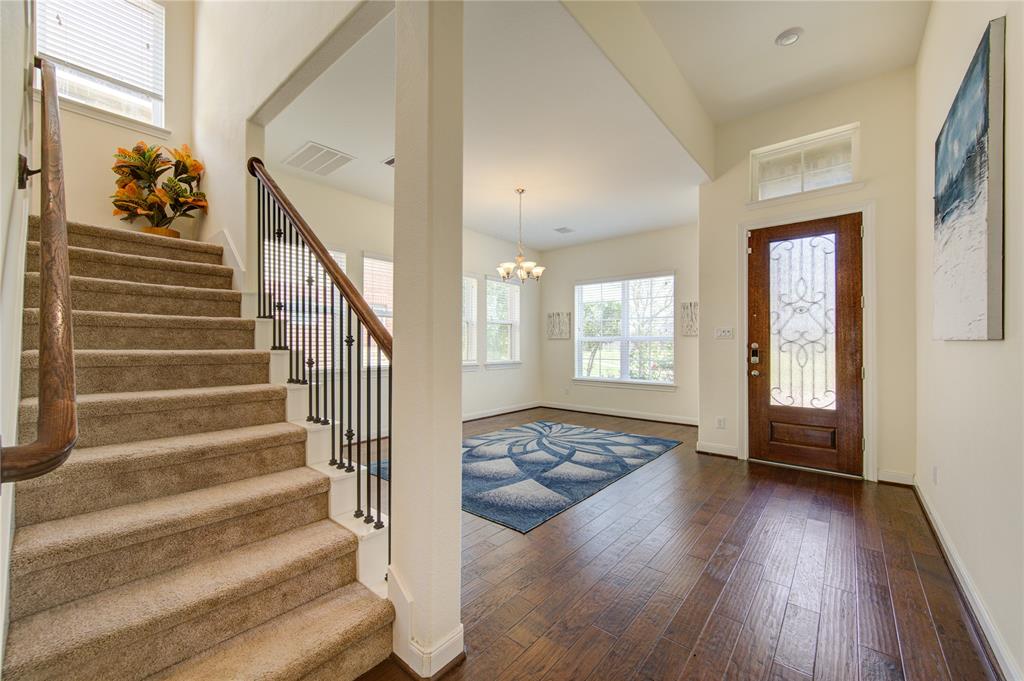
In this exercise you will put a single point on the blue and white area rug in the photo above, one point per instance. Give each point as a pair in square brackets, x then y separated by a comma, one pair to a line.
[523, 476]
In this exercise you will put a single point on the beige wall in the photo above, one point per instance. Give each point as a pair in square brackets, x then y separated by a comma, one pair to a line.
[970, 399]
[884, 106]
[671, 250]
[244, 51]
[358, 225]
[91, 139]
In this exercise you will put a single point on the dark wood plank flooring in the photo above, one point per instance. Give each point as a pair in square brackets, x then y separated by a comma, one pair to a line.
[702, 567]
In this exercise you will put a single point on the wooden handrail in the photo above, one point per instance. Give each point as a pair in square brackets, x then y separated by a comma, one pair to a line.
[57, 420]
[355, 299]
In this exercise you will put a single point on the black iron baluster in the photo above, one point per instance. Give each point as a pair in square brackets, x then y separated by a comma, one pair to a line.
[349, 433]
[380, 507]
[303, 289]
[259, 250]
[324, 279]
[354, 369]
[276, 283]
[315, 387]
[330, 410]
[289, 335]
[369, 431]
[310, 362]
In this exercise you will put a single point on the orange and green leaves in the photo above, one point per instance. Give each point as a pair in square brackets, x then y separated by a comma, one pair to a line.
[143, 190]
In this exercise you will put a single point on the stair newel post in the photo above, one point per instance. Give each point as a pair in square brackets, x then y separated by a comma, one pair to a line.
[349, 433]
[369, 428]
[380, 507]
[355, 370]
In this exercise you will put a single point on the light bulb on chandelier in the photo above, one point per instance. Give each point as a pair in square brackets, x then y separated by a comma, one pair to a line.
[522, 269]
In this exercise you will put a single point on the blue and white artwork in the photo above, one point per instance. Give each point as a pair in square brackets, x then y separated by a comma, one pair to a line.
[522, 476]
[968, 257]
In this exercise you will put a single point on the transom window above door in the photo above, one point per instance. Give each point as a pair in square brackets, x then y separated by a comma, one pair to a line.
[824, 159]
[625, 330]
[109, 54]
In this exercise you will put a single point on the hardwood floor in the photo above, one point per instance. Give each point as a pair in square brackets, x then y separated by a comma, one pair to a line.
[702, 567]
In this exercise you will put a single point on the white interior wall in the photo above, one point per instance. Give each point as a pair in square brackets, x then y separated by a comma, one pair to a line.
[91, 138]
[15, 126]
[884, 106]
[670, 250]
[358, 225]
[970, 400]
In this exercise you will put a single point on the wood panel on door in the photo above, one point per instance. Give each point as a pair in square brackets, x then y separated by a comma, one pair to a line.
[805, 345]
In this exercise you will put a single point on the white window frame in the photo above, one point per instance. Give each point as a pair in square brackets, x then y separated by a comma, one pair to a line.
[371, 358]
[515, 325]
[624, 338]
[471, 328]
[93, 110]
[850, 131]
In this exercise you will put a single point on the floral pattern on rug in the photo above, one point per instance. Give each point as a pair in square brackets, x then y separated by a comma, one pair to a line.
[521, 477]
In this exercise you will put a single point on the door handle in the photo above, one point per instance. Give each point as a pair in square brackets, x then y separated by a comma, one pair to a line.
[755, 372]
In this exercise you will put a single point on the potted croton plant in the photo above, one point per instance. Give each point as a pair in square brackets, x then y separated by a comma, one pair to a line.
[145, 190]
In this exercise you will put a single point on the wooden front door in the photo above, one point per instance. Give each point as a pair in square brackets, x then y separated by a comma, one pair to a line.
[805, 349]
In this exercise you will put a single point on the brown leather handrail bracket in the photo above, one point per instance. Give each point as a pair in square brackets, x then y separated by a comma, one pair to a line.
[355, 299]
[57, 425]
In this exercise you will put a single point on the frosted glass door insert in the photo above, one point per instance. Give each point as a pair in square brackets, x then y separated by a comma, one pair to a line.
[802, 307]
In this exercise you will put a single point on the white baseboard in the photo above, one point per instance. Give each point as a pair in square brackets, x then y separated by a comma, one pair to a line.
[499, 410]
[422, 661]
[625, 413]
[1000, 648]
[716, 448]
[232, 258]
[898, 477]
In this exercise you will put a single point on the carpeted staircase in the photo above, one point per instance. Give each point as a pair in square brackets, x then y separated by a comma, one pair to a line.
[185, 538]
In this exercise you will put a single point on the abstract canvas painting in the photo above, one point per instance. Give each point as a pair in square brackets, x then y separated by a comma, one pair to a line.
[968, 257]
[559, 325]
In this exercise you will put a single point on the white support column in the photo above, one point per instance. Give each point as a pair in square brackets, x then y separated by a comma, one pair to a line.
[424, 579]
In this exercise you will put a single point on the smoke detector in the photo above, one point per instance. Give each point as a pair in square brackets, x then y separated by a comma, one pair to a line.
[564, 230]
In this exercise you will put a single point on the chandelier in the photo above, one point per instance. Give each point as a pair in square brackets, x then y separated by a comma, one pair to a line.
[522, 269]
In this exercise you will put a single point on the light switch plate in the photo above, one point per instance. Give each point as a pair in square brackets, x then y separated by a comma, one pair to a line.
[723, 333]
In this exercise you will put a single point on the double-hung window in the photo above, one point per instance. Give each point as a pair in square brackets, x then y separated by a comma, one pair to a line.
[468, 320]
[109, 54]
[625, 330]
[502, 321]
[379, 291]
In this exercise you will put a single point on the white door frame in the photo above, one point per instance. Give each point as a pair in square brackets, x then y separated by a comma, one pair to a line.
[870, 328]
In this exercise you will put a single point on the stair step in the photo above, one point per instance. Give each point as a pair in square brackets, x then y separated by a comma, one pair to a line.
[131, 242]
[110, 418]
[125, 330]
[109, 371]
[144, 626]
[97, 478]
[341, 636]
[58, 561]
[90, 262]
[113, 295]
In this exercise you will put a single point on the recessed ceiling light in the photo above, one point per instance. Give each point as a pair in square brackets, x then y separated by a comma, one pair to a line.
[789, 36]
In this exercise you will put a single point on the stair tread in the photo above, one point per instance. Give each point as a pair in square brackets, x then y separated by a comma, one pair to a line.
[55, 542]
[151, 400]
[145, 289]
[128, 319]
[292, 644]
[145, 357]
[127, 234]
[153, 604]
[143, 261]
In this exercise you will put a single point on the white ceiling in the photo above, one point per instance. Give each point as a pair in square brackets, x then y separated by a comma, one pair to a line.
[544, 109]
[727, 51]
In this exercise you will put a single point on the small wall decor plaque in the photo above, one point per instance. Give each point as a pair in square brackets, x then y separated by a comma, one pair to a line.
[559, 325]
[688, 316]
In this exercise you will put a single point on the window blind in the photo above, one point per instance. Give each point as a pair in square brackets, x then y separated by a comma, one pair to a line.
[109, 53]
[625, 330]
[469, 319]
[379, 291]
[502, 321]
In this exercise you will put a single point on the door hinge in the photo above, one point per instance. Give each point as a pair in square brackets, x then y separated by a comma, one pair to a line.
[862, 302]
[862, 231]
[863, 444]
[863, 373]
[749, 251]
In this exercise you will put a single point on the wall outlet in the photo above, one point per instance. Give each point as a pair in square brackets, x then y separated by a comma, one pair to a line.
[720, 423]
[724, 333]
[935, 475]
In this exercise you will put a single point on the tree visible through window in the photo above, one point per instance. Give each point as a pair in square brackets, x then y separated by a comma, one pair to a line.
[502, 321]
[108, 54]
[625, 330]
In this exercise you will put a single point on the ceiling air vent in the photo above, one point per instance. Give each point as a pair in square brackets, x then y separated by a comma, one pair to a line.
[564, 230]
[389, 162]
[318, 159]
